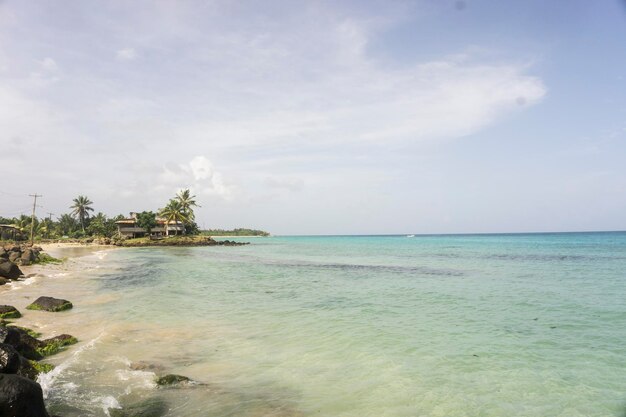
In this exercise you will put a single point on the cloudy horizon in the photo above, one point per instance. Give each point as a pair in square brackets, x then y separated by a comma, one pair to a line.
[318, 118]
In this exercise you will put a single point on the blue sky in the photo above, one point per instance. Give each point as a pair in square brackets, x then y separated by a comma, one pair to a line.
[320, 117]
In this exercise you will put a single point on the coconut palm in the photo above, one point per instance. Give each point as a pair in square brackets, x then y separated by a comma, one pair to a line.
[82, 207]
[173, 212]
[187, 202]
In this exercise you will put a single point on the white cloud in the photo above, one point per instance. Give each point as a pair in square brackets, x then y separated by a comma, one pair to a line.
[199, 175]
[49, 64]
[126, 54]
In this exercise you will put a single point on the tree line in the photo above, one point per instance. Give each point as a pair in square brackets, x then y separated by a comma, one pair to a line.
[80, 222]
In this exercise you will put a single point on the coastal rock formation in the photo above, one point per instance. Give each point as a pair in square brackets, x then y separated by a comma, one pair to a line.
[20, 397]
[9, 312]
[9, 359]
[20, 254]
[9, 269]
[50, 304]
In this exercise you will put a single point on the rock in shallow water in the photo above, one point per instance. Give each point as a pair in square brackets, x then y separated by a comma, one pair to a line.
[172, 379]
[9, 270]
[20, 397]
[50, 304]
[9, 312]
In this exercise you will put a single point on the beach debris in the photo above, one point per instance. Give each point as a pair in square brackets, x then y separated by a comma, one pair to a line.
[20, 396]
[171, 379]
[50, 304]
[9, 312]
[152, 407]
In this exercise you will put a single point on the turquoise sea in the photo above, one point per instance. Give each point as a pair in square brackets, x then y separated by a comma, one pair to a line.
[351, 326]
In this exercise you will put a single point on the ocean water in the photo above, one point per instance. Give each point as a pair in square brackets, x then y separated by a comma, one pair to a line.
[467, 325]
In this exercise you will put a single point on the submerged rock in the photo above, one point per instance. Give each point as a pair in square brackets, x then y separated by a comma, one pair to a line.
[152, 407]
[9, 312]
[20, 397]
[171, 379]
[50, 304]
[9, 270]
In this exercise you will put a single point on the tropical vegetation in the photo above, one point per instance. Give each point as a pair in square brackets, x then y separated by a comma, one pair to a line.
[81, 222]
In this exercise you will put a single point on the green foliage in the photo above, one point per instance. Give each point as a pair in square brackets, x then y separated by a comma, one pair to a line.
[173, 212]
[146, 220]
[81, 209]
[192, 228]
[235, 232]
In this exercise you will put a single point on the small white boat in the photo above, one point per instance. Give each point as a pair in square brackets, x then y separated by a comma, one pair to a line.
[410, 235]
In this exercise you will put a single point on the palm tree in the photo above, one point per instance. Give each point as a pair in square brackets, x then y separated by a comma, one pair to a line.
[173, 212]
[187, 201]
[81, 209]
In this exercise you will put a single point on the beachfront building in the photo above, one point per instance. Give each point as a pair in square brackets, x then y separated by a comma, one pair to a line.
[129, 228]
[9, 232]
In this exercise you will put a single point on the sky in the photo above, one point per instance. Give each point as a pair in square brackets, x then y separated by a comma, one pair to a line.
[320, 117]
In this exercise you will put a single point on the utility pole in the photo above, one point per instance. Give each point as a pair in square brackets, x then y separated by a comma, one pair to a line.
[32, 218]
[49, 223]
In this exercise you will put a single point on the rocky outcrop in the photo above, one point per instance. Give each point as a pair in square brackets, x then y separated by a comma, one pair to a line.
[20, 397]
[9, 312]
[179, 241]
[23, 254]
[9, 270]
[50, 304]
[9, 359]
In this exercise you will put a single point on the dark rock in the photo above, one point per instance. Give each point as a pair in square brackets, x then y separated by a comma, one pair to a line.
[9, 270]
[31, 369]
[28, 257]
[24, 343]
[152, 407]
[49, 304]
[172, 379]
[9, 359]
[9, 335]
[55, 344]
[14, 256]
[9, 312]
[3, 253]
[20, 397]
[3, 281]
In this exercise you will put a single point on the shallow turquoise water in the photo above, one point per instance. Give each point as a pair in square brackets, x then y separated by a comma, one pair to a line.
[473, 325]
